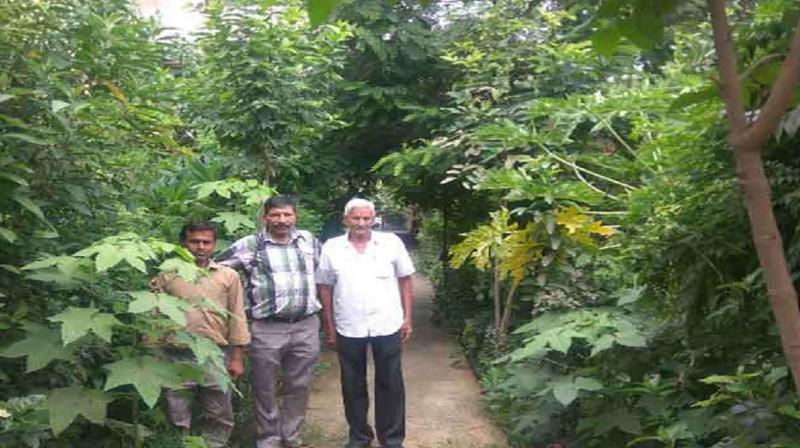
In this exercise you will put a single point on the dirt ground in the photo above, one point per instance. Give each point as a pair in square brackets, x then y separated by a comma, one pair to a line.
[442, 395]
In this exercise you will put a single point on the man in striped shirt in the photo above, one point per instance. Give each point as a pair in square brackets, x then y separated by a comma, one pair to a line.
[278, 266]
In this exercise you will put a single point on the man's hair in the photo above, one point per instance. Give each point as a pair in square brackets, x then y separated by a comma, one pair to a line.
[197, 226]
[358, 203]
[281, 200]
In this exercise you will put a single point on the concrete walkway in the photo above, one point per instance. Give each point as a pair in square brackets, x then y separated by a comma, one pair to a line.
[442, 395]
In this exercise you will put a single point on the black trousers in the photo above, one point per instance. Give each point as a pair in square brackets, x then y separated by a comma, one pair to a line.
[390, 394]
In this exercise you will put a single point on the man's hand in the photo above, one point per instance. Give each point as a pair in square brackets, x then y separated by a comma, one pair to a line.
[406, 330]
[330, 338]
[235, 363]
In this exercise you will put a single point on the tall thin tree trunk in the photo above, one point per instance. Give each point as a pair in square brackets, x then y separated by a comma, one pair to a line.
[268, 168]
[496, 293]
[746, 141]
[445, 244]
[506, 317]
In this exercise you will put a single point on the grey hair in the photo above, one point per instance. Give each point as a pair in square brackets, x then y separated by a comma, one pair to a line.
[358, 203]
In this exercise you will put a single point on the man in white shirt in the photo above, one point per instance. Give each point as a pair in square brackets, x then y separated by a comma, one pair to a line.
[364, 284]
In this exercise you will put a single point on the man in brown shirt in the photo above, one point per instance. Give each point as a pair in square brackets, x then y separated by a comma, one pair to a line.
[220, 286]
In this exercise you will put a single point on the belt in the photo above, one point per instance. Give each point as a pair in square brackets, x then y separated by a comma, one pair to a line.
[288, 320]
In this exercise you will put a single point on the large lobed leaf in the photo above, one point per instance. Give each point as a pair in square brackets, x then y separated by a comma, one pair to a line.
[146, 374]
[175, 309]
[76, 322]
[41, 345]
[66, 403]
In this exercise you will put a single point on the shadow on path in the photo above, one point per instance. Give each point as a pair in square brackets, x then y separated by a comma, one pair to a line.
[442, 395]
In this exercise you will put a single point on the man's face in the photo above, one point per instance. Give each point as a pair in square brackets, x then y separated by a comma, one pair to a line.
[359, 220]
[280, 221]
[201, 244]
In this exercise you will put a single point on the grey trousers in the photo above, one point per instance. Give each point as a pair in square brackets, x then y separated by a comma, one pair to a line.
[217, 418]
[289, 351]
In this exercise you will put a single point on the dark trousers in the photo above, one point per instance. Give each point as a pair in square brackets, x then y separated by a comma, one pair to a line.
[390, 394]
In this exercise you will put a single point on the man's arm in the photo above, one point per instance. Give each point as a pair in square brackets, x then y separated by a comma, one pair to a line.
[238, 333]
[328, 324]
[407, 299]
[231, 257]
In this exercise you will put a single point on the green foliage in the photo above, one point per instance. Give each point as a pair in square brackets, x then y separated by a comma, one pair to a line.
[77, 322]
[41, 346]
[147, 374]
[66, 403]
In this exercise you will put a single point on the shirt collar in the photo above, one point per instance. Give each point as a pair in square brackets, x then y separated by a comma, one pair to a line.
[374, 239]
[293, 236]
[213, 265]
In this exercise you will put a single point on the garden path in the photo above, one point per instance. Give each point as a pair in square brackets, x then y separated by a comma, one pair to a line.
[442, 395]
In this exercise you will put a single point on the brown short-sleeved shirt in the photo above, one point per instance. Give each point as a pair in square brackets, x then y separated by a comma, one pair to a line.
[221, 286]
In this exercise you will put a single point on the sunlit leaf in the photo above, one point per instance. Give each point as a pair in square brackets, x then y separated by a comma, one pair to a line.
[76, 322]
[172, 307]
[320, 10]
[147, 375]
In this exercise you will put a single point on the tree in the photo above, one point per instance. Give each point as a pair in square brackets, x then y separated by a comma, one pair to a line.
[747, 137]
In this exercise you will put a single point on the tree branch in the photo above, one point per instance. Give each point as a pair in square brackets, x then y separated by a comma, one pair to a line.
[575, 166]
[780, 97]
[758, 64]
[726, 60]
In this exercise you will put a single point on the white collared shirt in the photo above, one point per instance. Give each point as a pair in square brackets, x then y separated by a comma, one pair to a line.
[366, 294]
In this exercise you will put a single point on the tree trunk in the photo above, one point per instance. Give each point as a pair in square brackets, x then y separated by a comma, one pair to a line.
[268, 169]
[506, 317]
[769, 247]
[445, 245]
[746, 141]
[496, 293]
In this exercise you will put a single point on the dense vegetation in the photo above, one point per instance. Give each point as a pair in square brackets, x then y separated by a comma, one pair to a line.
[568, 163]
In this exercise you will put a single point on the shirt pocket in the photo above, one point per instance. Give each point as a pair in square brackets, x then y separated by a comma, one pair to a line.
[307, 258]
[383, 269]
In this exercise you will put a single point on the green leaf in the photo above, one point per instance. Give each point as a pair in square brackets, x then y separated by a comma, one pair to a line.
[41, 345]
[630, 295]
[589, 384]
[533, 349]
[561, 341]
[12, 269]
[188, 271]
[694, 97]
[565, 391]
[206, 189]
[108, 256]
[194, 442]
[146, 374]
[66, 403]
[14, 178]
[631, 339]
[172, 307]
[57, 105]
[204, 349]
[604, 342]
[46, 262]
[234, 221]
[29, 205]
[28, 138]
[776, 374]
[76, 322]
[320, 10]
[8, 235]
[606, 40]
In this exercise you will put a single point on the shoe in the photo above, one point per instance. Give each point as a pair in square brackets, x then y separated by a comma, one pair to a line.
[358, 445]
